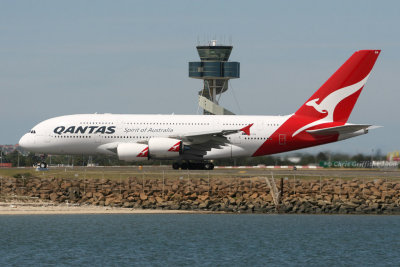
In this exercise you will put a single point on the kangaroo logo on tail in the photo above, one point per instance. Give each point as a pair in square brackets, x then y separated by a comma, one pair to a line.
[313, 103]
[328, 105]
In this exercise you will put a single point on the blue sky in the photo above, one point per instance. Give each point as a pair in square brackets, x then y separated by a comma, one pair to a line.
[66, 57]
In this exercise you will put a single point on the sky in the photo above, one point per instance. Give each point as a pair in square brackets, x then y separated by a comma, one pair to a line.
[69, 57]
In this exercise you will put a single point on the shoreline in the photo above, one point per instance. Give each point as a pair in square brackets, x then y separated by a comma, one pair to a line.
[48, 208]
[34, 208]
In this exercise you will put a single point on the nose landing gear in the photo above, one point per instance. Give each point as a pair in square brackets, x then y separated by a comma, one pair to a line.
[41, 162]
[42, 165]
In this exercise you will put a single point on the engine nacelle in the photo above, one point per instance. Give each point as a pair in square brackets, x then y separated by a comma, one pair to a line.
[165, 148]
[133, 152]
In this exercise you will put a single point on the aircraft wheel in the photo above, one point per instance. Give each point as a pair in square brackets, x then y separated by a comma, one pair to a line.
[175, 166]
[43, 165]
[208, 166]
[184, 166]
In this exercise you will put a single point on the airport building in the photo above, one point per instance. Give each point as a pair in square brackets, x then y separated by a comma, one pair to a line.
[215, 69]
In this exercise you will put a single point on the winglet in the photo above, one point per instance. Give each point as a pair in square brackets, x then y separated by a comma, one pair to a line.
[246, 129]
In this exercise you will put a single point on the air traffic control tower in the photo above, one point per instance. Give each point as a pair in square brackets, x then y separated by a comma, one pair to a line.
[215, 70]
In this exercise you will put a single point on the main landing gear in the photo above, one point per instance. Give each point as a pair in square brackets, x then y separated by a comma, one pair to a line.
[193, 165]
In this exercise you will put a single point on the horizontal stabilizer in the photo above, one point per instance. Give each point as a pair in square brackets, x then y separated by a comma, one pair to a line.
[345, 129]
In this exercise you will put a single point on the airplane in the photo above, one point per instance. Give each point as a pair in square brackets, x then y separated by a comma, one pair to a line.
[193, 141]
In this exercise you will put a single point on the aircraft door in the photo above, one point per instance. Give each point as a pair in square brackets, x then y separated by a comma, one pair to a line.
[282, 139]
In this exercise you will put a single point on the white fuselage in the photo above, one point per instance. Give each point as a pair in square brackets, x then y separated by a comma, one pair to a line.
[61, 135]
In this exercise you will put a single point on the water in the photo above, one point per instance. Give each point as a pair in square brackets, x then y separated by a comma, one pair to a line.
[199, 239]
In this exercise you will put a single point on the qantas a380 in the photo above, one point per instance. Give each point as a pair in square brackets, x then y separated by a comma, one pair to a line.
[194, 140]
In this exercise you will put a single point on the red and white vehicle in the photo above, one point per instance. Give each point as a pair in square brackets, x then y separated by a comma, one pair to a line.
[320, 120]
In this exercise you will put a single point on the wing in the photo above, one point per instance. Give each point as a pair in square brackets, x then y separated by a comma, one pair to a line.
[197, 144]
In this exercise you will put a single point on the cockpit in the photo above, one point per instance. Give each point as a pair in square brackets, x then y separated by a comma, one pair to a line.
[32, 131]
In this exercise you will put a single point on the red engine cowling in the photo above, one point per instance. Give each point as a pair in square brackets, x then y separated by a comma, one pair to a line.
[165, 148]
[133, 152]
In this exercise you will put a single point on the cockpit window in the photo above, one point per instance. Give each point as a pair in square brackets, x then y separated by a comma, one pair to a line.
[32, 131]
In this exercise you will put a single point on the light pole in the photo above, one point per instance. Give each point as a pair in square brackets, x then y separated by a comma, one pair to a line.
[372, 155]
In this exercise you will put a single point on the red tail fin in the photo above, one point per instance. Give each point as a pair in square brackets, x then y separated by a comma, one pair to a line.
[338, 95]
[334, 101]
[328, 108]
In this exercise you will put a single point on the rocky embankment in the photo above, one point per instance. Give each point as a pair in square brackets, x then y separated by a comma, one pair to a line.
[244, 195]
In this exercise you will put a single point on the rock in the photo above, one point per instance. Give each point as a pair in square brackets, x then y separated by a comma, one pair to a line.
[73, 193]
[315, 188]
[53, 197]
[159, 200]
[175, 207]
[360, 209]
[243, 207]
[204, 205]
[66, 185]
[374, 206]
[151, 200]
[347, 208]
[137, 205]
[203, 197]
[268, 198]
[350, 205]
[321, 203]
[109, 201]
[376, 192]
[254, 195]
[44, 196]
[98, 196]
[193, 196]
[143, 196]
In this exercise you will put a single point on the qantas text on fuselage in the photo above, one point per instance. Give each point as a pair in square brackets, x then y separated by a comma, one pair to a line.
[320, 120]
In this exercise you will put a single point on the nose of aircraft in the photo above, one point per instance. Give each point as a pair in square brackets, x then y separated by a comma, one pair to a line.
[25, 142]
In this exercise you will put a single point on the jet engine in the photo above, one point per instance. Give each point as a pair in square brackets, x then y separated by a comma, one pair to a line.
[132, 152]
[165, 148]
